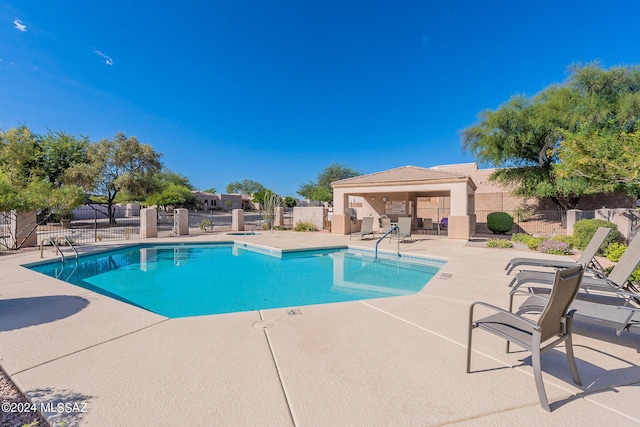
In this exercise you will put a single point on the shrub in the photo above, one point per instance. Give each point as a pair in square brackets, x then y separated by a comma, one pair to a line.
[499, 222]
[534, 242]
[554, 247]
[305, 226]
[205, 224]
[521, 237]
[499, 243]
[615, 251]
[584, 230]
[565, 239]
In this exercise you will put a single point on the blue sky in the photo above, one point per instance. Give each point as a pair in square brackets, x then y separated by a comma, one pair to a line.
[274, 91]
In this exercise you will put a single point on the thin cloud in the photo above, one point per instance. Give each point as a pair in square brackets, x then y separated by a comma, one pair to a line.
[19, 25]
[107, 59]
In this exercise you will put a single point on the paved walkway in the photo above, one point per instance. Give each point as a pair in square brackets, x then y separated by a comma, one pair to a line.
[391, 361]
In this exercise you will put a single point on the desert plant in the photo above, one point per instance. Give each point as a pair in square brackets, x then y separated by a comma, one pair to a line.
[499, 243]
[305, 226]
[206, 225]
[554, 247]
[584, 230]
[499, 222]
[270, 203]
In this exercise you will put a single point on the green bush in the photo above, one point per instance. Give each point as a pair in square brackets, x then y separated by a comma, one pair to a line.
[584, 230]
[615, 251]
[499, 243]
[521, 237]
[534, 242]
[305, 226]
[499, 222]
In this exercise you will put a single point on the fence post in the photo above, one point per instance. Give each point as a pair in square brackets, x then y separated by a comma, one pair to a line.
[95, 225]
[573, 215]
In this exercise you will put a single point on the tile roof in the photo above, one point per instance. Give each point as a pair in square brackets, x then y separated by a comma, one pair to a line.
[402, 174]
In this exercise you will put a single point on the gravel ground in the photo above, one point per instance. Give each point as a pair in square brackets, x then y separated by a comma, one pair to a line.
[12, 400]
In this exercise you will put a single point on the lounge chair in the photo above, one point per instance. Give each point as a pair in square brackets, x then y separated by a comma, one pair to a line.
[554, 325]
[385, 224]
[615, 281]
[614, 310]
[365, 229]
[587, 259]
[404, 228]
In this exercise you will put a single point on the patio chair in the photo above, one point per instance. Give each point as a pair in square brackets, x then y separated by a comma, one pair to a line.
[587, 259]
[404, 228]
[552, 327]
[427, 224]
[365, 229]
[617, 280]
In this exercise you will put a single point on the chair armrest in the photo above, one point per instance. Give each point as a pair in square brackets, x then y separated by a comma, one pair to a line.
[514, 316]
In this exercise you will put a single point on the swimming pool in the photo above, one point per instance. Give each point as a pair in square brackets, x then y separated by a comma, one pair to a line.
[198, 279]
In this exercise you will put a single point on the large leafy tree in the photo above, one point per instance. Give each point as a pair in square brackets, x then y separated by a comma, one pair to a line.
[26, 183]
[114, 165]
[320, 189]
[246, 186]
[58, 152]
[526, 137]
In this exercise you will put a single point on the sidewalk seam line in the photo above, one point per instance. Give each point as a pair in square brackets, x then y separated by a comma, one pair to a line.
[87, 348]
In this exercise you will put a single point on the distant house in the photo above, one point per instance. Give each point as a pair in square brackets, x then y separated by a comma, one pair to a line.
[224, 202]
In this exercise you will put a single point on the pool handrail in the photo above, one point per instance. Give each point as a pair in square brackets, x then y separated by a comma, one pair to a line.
[394, 228]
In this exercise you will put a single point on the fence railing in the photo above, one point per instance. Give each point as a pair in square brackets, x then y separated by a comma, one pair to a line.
[537, 223]
[91, 225]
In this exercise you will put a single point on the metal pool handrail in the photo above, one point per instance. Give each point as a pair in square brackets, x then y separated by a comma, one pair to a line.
[391, 230]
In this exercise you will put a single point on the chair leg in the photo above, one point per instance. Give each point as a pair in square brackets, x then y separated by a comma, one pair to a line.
[471, 328]
[537, 374]
[568, 344]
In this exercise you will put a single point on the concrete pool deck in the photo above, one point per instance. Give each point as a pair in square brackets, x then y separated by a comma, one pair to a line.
[389, 361]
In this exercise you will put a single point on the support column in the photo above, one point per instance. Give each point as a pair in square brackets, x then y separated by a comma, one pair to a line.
[278, 221]
[237, 220]
[20, 225]
[181, 222]
[460, 222]
[148, 223]
[573, 216]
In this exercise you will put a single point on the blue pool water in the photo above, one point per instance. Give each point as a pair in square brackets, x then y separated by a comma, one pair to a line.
[192, 280]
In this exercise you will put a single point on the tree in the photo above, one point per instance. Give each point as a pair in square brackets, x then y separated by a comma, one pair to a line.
[618, 161]
[58, 152]
[114, 165]
[290, 202]
[524, 137]
[262, 195]
[246, 186]
[320, 189]
[26, 185]
[175, 195]
[211, 190]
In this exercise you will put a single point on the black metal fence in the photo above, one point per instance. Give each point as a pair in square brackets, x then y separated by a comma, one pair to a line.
[537, 223]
